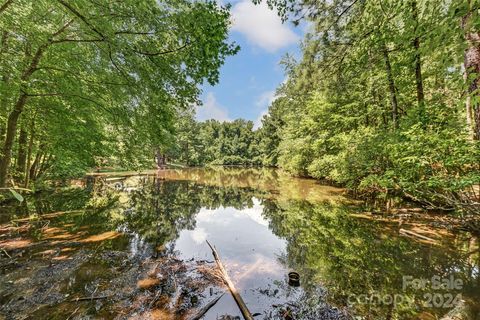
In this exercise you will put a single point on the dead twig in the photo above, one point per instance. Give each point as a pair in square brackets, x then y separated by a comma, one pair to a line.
[74, 311]
[207, 307]
[89, 298]
[4, 251]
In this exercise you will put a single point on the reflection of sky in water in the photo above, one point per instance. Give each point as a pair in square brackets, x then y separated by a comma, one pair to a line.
[237, 234]
[248, 249]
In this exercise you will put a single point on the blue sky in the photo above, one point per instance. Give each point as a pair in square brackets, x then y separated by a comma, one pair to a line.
[248, 80]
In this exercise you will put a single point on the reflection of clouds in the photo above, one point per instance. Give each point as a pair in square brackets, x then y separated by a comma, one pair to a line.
[257, 270]
[206, 215]
[225, 216]
[199, 235]
[254, 213]
[213, 216]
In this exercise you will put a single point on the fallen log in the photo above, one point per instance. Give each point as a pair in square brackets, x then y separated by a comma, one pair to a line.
[414, 234]
[236, 296]
[207, 307]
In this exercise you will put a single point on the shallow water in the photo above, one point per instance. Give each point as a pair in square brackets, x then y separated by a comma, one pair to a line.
[137, 244]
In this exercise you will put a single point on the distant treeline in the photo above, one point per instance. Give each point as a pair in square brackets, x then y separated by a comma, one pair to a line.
[220, 143]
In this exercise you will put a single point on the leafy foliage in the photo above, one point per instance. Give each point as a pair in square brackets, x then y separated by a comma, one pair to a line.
[375, 103]
[214, 142]
[85, 83]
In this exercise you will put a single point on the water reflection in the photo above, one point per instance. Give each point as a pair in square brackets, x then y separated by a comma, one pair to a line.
[263, 224]
[353, 258]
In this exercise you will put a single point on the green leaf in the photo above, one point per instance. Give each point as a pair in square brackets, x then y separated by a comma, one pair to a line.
[17, 195]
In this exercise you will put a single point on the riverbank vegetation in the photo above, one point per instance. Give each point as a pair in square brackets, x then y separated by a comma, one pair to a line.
[384, 99]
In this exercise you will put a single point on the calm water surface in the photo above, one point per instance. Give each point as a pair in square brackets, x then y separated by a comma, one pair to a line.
[134, 247]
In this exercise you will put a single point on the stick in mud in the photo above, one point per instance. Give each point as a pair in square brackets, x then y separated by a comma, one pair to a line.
[207, 307]
[89, 298]
[236, 296]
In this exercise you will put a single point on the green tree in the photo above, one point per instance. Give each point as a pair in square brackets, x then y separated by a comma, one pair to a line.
[374, 102]
[214, 142]
[130, 65]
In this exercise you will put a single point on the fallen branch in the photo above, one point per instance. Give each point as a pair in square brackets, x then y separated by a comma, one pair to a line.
[207, 307]
[89, 298]
[236, 296]
[6, 253]
[411, 233]
[17, 188]
[75, 311]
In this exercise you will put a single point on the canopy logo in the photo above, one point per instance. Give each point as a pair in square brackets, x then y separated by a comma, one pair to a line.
[436, 292]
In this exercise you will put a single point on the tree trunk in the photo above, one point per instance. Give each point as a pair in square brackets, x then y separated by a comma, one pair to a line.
[29, 152]
[418, 68]
[22, 149]
[472, 70]
[45, 164]
[39, 165]
[391, 87]
[33, 168]
[468, 104]
[10, 137]
[160, 159]
[418, 76]
[2, 133]
[5, 78]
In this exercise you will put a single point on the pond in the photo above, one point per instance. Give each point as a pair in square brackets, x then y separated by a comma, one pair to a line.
[133, 246]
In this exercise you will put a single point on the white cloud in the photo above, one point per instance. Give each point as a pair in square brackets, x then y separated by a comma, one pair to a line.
[265, 99]
[257, 123]
[211, 109]
[262, 26]
[254, 213]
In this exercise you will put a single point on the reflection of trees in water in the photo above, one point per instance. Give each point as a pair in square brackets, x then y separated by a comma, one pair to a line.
[160, 209]
[157, 210]
[73, 210]
[347, 255]
[45, 202]
[353, 256]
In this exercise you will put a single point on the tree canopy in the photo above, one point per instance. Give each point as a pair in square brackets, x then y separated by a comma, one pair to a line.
[384, 99]
[82, 80]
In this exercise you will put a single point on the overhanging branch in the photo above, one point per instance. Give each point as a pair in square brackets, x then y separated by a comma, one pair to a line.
[5, 5]
[82, 17]
[153, 54]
